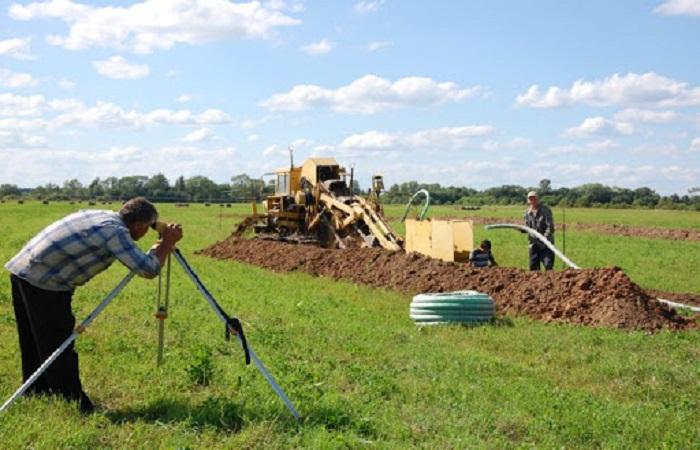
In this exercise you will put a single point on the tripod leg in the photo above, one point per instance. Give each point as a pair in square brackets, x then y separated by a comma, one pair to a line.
[162, 313]
[219, 312]
[79, 329]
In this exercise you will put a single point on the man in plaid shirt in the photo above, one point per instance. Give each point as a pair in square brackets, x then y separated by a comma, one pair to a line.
[63, 256]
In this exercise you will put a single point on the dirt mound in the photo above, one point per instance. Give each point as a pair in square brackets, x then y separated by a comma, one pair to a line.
[595, 297]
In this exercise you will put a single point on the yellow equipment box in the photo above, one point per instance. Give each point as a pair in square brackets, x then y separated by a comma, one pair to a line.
[445, 239]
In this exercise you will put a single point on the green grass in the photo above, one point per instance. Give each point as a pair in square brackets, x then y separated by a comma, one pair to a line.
[350, 359]
[638, 217]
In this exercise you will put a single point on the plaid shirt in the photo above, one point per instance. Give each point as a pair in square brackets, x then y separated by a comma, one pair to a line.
[71, 251]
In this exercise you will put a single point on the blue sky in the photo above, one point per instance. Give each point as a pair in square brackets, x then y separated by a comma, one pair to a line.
[464, 93]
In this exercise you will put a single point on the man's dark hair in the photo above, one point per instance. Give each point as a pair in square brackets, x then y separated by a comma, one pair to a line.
[486, 244]
[138, 210]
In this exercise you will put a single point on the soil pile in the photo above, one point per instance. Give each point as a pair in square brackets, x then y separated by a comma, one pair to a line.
[594, 297]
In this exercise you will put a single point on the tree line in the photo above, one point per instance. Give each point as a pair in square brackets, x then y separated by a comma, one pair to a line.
[584, 196]
[243, 188]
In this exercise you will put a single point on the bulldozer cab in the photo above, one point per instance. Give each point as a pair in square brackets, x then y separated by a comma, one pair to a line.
[287, 181]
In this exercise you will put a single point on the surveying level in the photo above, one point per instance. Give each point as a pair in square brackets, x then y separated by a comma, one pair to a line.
[232, 326]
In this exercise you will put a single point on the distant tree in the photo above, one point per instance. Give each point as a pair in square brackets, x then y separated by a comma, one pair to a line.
[243, 187]
[132, 186]
[157, 186]
[95, 188]
[74, 189]
[200, 188]
[180, 184]
[645, 197]
[110, 187]
[7, 190]
[545, 186]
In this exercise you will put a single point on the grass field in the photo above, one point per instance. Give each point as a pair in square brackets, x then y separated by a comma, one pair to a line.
[358, 370]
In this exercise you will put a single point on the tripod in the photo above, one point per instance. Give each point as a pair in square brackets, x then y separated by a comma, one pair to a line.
[232, 326]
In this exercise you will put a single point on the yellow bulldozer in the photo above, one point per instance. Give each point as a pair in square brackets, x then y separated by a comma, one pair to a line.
[315, 203]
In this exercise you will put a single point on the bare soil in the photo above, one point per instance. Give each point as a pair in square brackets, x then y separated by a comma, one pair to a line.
[593, 297]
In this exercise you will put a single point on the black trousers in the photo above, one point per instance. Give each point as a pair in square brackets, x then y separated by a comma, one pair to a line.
[541, 255]
[44, 322]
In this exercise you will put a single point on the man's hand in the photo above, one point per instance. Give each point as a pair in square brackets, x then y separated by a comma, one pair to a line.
[169, 235]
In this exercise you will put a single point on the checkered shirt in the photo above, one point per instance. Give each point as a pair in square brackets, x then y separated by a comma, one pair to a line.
[71, 251]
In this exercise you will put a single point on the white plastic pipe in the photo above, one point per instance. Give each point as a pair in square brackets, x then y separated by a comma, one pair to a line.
[539, 237]
[679, 305]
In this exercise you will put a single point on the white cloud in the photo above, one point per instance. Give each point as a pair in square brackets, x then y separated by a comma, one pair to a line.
[378, 45]
[40, 163]
[66, 84]
[129, 153]
[679, 8]
[183, 98]
[445, 138]
[645, 116]
[118, 68]
[519, 142]
[10, 79]
[516, 143]
[318, 48]
[301, 143]
[368, 6]
[106, 114]
[18, 48]
[586, 150]
[648, 89]
[671, 176]
[26, 125]
[18, 105]
[156, 24]
[200, 135]
[370, 94]
[270, 150]
[15, 139]
[599, 126]
[253, 138]
[695, 145]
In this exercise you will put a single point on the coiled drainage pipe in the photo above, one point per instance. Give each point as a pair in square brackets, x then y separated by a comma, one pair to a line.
[570, 263]
[468, 307]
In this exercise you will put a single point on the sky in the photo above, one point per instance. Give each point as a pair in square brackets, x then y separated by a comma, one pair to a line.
[468, 93]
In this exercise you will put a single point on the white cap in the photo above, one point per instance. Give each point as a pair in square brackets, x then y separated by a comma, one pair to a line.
[531, 194]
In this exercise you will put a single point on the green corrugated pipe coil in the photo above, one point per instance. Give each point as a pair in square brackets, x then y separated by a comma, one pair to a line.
[470, 307]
